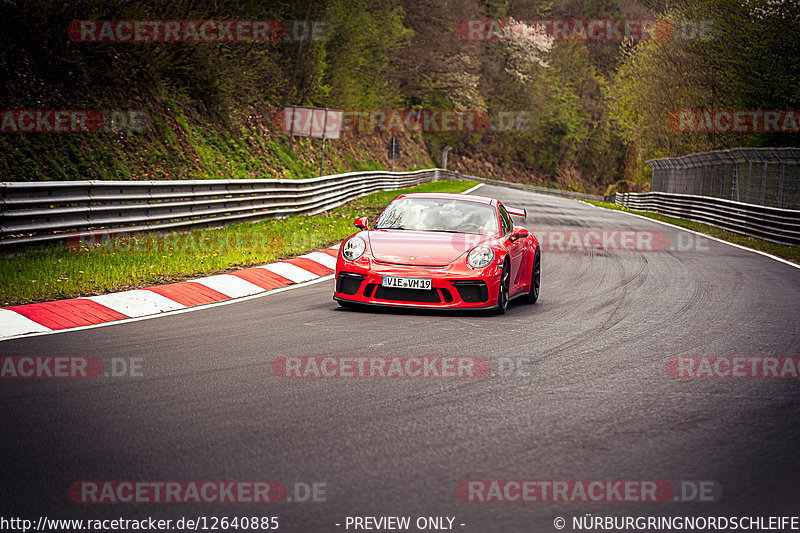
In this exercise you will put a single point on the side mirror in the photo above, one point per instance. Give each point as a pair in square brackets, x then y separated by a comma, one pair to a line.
[517, 212]
[518, 233]
[361, 223]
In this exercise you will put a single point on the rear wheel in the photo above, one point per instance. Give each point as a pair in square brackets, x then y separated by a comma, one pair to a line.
[503, 290]
[536, 276]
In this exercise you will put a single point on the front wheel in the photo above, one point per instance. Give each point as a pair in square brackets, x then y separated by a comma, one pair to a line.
[536, 279]
[503, 290]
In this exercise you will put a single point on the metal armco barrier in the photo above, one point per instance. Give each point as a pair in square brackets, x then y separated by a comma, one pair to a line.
[769, 223]
[763, 176]
[32, 212]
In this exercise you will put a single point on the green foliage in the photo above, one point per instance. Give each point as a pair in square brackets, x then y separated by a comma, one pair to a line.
[747, 57]
[363, 33]
[602, 9]
[599, 109]
[211, 104]
[496, 8]
[755, 47]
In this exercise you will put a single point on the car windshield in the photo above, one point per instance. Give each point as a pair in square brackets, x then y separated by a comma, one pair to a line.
[437, 214]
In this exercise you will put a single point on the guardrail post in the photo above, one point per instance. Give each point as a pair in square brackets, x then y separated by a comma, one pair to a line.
[703, 180]
[797, 205]
[749, 176]
[713, 178]
[444, 156]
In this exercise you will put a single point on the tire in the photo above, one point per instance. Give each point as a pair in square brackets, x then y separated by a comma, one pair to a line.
[536, 279]
[503, 290]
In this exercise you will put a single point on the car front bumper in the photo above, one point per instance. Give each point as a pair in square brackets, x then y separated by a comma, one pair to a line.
[453, 286]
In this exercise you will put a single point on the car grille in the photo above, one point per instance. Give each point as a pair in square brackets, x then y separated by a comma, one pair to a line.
[472, 291]
[348, 283]
[446, 296]
[406, 295]
[369, 290]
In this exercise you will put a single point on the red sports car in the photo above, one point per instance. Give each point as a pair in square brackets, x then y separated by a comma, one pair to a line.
[441, 251]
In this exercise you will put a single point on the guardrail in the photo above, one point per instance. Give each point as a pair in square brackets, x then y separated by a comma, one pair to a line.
[33, 212]
[769, 223]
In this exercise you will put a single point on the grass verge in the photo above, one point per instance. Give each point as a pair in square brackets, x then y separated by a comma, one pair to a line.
[90, 267]
[785, 251]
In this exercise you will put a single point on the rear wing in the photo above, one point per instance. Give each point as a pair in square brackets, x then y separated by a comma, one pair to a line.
[517, 212]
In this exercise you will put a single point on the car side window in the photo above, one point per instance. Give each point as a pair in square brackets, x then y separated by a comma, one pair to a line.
[505, 218]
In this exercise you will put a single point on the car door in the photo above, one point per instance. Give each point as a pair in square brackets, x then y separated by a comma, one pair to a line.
[516, 249]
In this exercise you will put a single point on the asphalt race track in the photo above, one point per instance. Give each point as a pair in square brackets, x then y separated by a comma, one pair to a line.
[597, 402]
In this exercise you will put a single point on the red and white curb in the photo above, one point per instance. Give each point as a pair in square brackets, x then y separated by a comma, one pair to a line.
[92, 310]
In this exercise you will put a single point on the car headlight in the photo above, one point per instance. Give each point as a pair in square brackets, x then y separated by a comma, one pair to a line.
[480, 256]
[353, 248]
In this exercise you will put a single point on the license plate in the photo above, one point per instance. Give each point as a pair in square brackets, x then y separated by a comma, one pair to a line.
[407, 283]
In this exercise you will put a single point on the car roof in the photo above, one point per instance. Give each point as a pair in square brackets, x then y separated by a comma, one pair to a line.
[449, 196]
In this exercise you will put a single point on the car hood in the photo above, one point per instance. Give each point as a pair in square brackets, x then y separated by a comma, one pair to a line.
[423, 248]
